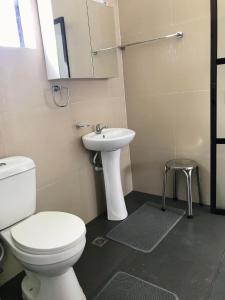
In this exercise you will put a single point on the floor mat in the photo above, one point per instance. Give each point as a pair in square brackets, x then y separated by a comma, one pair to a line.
[127, 287]
[146, 227]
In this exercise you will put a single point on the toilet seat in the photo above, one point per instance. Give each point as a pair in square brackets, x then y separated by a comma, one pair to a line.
[48, 233]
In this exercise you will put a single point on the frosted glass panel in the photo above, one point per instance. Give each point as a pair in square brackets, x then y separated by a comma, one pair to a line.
[221, 101]
[221, 28]
[220, 176]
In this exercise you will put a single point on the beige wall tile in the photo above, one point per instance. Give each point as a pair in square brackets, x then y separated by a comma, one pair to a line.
[192, 56]
[165, 66]
[2, 144]
[46, 136]
[119, 112]
[152, 117]
[149, 69]
[144, 19]
[62, 195]
[94, 112]
[2, 150]
[97, 89]
[188, 10]
[92, 193]
[148, 168]
[16, 80]
[111, 111]
[116, 87]
[192, 126]
[126, 173]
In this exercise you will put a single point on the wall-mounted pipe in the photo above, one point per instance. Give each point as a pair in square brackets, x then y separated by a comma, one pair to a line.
[2, 252]
[97, 162]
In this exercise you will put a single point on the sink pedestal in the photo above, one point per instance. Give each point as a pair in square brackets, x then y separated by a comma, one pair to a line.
[109, 142]
[116, 207]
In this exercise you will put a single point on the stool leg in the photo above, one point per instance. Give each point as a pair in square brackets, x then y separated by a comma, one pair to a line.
[188, 174]
[199, 187]
[175, 185]
[164, 189]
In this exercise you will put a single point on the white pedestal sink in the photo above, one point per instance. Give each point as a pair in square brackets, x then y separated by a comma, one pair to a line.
[109, 143]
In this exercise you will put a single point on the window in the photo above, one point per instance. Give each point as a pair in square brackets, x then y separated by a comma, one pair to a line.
[16, 24]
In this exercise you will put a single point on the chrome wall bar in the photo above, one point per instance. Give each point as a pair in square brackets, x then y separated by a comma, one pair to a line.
[105, 49]
[177, 35]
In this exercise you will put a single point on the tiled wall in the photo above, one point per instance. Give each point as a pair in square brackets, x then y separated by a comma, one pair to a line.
[31, 125]
[167, 88]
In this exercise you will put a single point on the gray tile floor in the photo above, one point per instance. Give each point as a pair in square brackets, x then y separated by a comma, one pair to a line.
[188, 262]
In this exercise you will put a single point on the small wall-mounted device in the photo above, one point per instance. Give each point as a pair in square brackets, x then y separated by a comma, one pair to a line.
[60, 95]
[81, 125]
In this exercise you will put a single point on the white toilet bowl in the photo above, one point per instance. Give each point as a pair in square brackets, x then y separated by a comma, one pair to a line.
[48, 244]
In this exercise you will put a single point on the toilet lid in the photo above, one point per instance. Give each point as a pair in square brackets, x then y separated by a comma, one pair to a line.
[48, 232]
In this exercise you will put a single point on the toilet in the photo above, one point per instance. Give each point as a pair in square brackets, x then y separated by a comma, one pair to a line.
[47, 244]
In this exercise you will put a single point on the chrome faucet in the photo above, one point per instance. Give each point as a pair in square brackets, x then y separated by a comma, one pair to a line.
[99, 128]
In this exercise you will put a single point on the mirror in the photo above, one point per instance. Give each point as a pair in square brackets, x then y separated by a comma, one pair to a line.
[61, 45]
[73, 31]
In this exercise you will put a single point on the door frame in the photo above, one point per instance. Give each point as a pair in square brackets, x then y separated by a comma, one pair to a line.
[213, 109]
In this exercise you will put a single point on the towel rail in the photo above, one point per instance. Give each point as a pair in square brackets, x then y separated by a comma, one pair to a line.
[177, 35]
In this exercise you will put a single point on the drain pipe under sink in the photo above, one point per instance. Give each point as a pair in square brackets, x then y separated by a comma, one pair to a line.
[97, 162]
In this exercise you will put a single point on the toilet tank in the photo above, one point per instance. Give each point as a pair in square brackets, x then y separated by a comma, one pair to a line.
[17, 190]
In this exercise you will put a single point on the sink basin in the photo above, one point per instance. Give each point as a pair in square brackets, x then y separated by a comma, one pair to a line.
[110, 139]
[109, 143]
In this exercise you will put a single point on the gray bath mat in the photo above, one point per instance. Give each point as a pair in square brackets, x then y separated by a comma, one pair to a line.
[126, 287]
[146, 227]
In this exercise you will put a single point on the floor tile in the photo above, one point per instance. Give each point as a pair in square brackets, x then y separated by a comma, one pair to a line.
[187, 262]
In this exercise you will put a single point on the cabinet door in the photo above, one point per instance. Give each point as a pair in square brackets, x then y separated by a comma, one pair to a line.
[103, 35]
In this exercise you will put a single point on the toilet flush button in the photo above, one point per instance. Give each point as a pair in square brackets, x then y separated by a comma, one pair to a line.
[2, 164]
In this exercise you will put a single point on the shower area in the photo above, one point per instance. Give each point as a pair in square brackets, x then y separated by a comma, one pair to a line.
[167, 85]
[218, 106]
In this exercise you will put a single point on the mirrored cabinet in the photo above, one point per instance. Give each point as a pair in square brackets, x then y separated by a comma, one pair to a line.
[103, 39]
[79, 38]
